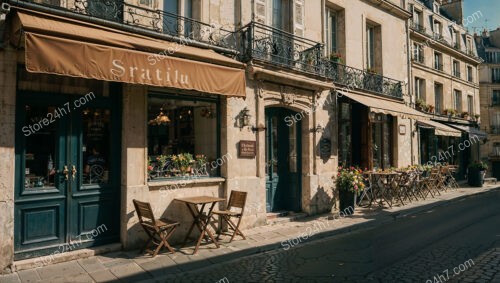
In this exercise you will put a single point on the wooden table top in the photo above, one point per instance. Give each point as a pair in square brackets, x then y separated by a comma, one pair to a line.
[200, 199]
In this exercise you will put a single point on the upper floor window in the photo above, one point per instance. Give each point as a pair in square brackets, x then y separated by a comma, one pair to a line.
[437, 28]
[417, 17]
[373, 47]
[438, 98]
[469, 45]
[495, 75]
[331, 31]
[470, 104]
[495, 97]
[171, 23]
[438, 61]
[418, 53]
[458, 100]
[419, 89]
[281, 12]
[470, 75]
[456, 68]
[370, 47]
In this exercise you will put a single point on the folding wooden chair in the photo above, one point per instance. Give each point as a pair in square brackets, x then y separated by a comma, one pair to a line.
[237, 200]
[158, 230]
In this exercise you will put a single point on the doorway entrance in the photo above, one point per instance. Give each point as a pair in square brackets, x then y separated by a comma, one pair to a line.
[67, 189]
[283, 160]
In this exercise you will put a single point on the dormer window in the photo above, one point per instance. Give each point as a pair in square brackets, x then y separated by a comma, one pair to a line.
[436, 8]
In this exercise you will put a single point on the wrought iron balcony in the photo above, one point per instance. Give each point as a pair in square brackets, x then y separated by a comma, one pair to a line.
[277, 47]
[417, 27]
[162, 22]
[419, 58]
[457, 74]
[361, 79]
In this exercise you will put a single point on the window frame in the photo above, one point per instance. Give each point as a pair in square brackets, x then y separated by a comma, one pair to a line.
[457, 100]
[194, 98]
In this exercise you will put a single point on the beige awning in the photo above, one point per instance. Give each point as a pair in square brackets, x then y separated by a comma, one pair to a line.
[441, 129]
[386, 106]
[57, 45]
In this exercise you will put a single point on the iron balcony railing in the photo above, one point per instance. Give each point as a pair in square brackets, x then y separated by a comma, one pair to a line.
[417, 27]
[278, 47]
[418, 58]
[457, 74]
[361, 79]
[159, 21]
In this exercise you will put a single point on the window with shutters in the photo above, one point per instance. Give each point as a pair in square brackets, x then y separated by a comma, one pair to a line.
[373, 46]
[174, 25]
[298, 12]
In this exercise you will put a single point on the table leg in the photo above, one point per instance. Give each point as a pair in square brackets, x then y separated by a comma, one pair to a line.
[196, 219]
[203, 228]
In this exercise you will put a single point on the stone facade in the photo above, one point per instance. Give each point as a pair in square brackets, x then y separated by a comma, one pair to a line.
[305, 91]
[489, 45]
[443, 54]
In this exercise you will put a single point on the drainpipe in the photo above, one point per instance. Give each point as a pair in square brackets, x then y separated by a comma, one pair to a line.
[111, 24]
[409, 86]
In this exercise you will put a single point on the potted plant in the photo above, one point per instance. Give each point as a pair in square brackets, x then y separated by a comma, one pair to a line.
[476, 172]
[201, 164]
[450, 112]
[476, 117]
[465, 115]
[420, 104]
[336, 57]
[349, 182]
[430, 108]
[182, 162]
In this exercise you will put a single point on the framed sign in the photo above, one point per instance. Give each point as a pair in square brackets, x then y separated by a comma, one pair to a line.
[247, 149]
[402, 130]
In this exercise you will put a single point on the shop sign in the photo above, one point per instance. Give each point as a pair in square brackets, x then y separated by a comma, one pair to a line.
[247, 149]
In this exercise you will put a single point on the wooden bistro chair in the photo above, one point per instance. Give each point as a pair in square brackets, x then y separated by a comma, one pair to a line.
[158, 230]
[237, 200]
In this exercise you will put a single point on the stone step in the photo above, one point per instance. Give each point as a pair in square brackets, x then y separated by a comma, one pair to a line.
[288, 217]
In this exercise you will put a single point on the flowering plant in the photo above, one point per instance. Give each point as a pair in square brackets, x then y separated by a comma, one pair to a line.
[182, 161]
[350, 179]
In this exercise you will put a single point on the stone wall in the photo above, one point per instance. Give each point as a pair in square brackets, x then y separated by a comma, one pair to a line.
[7, 161]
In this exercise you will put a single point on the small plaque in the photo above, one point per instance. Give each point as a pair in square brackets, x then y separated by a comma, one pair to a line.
[402, 130]
[247, 149]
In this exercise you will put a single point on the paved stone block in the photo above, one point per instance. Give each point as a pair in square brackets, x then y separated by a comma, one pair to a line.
[60, 269]
[91, 264]
[130, 272]
[103, 276]
[28, 276]
[10, 278]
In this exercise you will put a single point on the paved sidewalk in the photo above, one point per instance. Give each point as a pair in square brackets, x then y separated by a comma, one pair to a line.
[130, 266]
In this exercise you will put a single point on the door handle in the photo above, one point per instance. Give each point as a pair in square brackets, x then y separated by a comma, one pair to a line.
[73, 172]
[66, 172]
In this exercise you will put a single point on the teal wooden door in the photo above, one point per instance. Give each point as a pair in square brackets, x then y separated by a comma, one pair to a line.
[67, 174]
[283, 160]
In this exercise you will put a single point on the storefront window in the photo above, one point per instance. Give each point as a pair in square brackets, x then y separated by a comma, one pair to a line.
[382, 145]
[183, 137]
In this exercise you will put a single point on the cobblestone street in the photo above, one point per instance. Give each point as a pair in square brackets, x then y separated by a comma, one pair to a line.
[412, 249]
